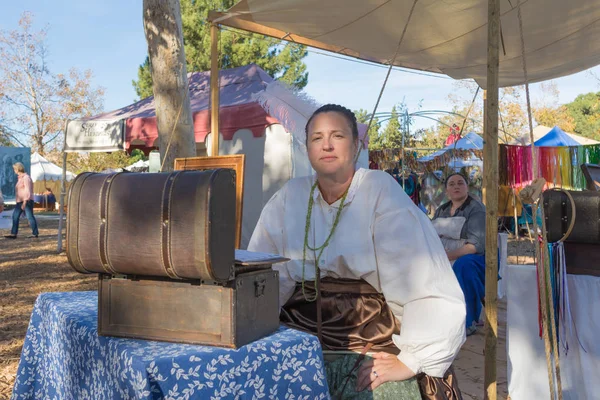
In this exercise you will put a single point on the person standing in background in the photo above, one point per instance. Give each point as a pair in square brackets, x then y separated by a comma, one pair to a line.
[24, 199]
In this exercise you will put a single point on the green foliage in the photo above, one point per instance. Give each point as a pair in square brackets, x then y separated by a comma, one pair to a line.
[392, 133]
[237, 48]
[98, 162]
[432, 138]
[143, 86]
[585, 111]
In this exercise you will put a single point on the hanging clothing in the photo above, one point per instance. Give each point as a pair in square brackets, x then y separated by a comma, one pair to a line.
[411, 186]
[383, 239]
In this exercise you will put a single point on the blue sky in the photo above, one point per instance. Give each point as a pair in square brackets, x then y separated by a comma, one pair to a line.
[107, 36]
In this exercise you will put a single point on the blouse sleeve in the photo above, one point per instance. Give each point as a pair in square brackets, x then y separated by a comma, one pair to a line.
[476, 230]
[268, 238]
[418, 284]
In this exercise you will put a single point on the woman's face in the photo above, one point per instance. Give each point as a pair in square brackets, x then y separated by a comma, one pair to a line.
[456, 188]
[16, 170]
[331, 147]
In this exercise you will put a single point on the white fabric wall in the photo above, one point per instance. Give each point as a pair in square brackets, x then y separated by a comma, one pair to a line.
[527, 371]
[268, 167]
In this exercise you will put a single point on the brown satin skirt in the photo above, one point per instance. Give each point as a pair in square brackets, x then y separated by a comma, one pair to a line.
[354, 314]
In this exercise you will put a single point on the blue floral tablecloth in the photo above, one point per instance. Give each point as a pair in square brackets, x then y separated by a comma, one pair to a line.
[64, 358]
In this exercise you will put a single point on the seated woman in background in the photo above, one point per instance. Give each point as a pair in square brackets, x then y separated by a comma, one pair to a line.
[51, 198]
[367, 269]
[460, 223]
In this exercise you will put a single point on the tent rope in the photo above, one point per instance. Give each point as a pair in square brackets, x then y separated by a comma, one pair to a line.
[162, 164]
[464, 122]
[385, 82]
[542, 256]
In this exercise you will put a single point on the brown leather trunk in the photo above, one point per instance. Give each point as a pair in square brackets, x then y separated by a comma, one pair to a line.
[163, 245]
[231, 315]
[179, 225]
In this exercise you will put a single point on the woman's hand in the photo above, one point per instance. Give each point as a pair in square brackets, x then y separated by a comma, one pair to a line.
[383, 367]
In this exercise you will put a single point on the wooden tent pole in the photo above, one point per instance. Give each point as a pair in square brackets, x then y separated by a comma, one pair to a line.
[514, 201]
[490, 179]
[214, 89]
[59, 244]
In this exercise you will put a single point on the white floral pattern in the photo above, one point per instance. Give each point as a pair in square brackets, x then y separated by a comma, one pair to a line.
[64, 358]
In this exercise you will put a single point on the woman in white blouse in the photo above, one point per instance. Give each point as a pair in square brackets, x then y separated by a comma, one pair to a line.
[384, 278]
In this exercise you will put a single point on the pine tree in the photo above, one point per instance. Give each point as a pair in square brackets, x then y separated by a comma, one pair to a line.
[392, 133]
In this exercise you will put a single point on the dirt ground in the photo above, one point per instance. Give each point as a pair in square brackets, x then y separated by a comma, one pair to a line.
[29, 267]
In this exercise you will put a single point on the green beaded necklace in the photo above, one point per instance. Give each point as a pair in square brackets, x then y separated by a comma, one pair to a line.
[321, 248]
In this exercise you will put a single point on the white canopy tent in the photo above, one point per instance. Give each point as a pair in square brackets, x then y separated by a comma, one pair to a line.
[45, 174]
[444, 36]
[471, 141]
[139, 166]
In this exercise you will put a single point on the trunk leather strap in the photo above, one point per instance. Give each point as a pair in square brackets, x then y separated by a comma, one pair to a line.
[73, 223]
[103, 237]
[165, 223]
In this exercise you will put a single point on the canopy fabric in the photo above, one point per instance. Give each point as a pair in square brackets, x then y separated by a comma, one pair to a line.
[237, 109]
[44, 170]
[556, 137]
[471, 141]
[444, 36]
[249, 99]
[541, 130]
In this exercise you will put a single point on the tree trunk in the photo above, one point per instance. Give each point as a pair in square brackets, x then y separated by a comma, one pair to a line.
[40, 145]
[162, 25]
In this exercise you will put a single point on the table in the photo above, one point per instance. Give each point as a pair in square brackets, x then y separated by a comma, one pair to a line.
[64, 358]
[527, 371]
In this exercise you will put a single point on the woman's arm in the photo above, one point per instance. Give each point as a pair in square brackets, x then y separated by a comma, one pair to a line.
[420, 287]
[476, 231]
[466, 249]
[268, 238]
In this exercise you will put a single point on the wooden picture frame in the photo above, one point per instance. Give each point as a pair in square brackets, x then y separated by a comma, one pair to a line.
[235, 162]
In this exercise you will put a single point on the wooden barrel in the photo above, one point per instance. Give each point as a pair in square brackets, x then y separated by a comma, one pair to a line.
[179, 225]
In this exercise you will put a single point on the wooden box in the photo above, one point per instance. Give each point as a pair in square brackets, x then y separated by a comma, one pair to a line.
[231, 315]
